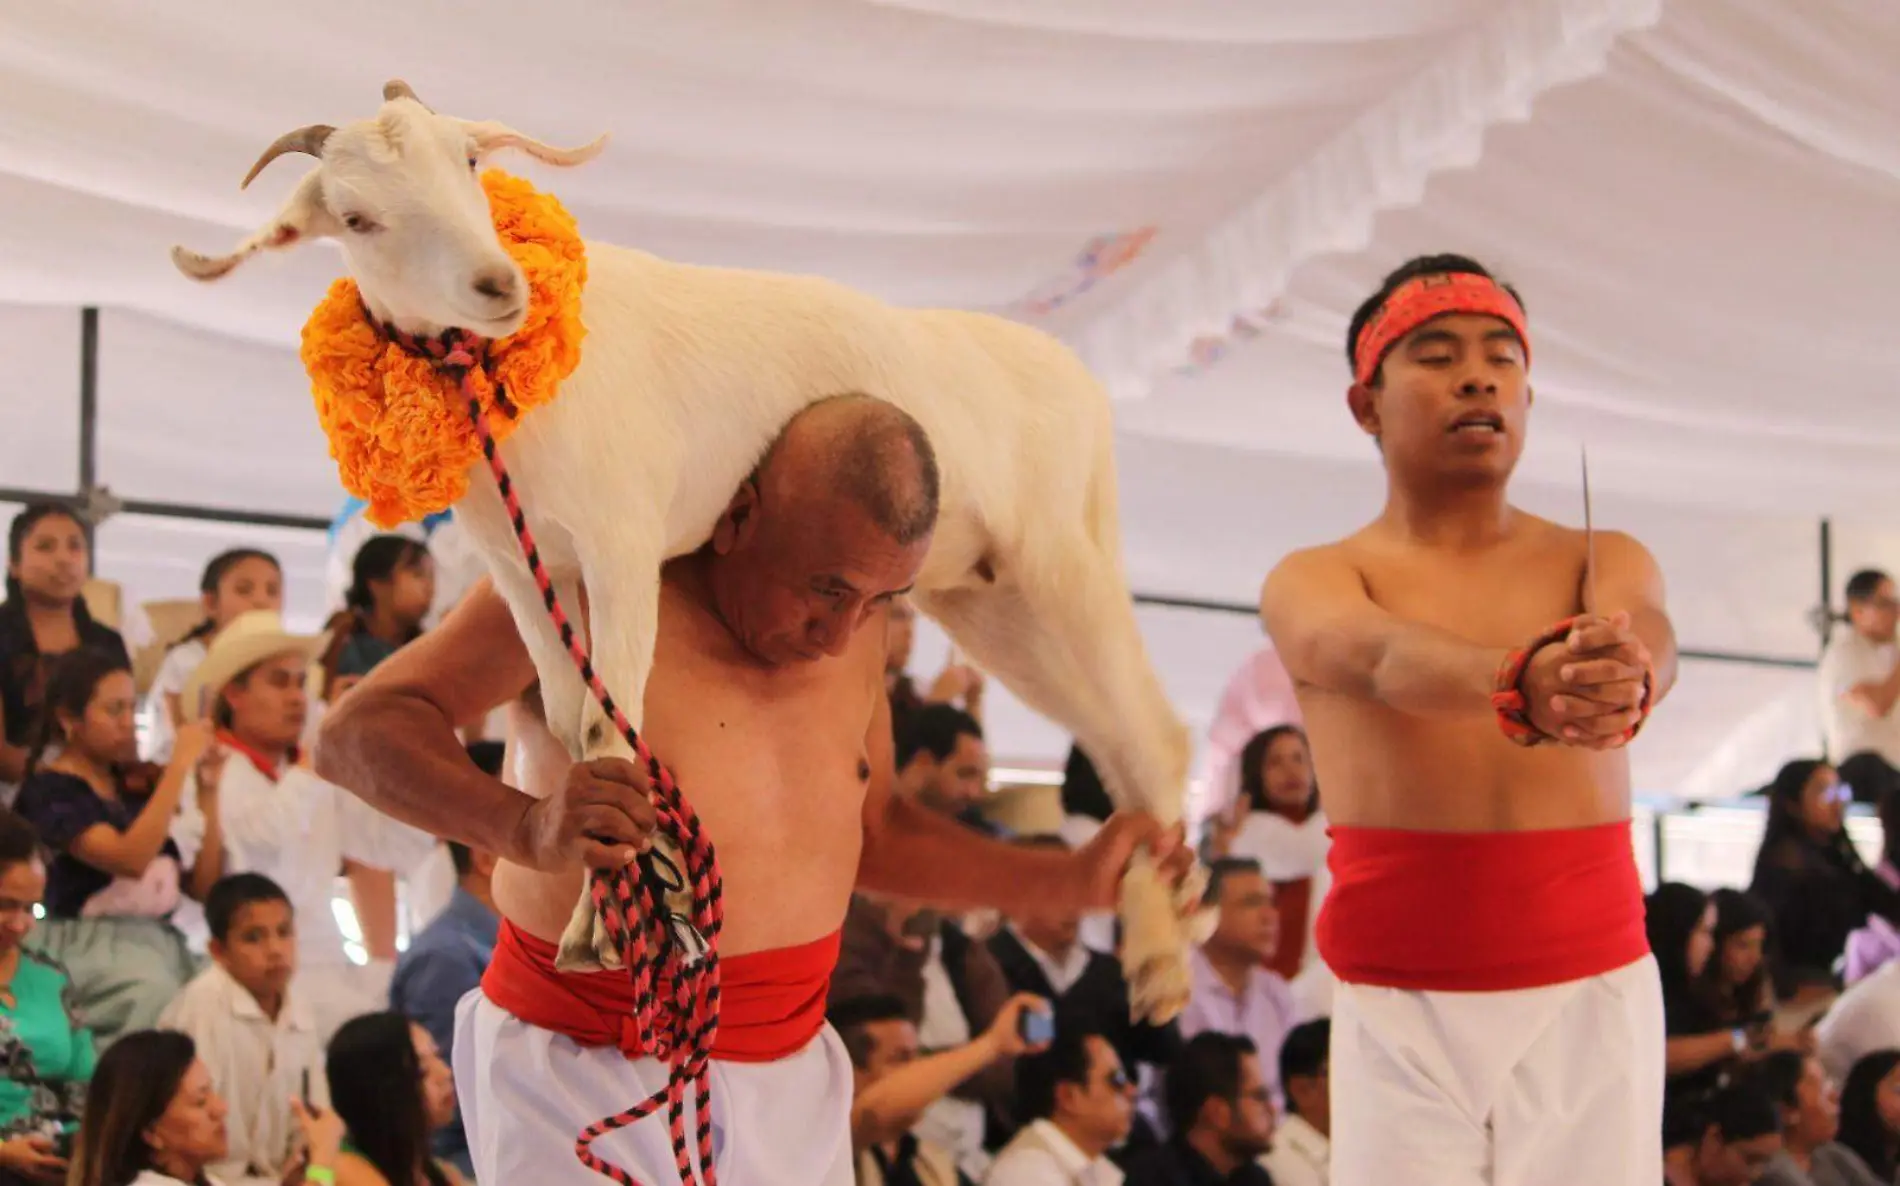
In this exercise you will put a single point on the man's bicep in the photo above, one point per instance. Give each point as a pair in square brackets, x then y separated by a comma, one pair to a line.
[1324, 626]
[1631, 581]
[473, 662]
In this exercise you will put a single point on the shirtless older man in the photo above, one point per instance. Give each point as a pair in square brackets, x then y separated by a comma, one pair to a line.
[767, 699]
[1499, 1017]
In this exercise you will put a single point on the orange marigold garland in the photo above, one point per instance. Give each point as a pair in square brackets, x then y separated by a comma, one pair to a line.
[399, 429]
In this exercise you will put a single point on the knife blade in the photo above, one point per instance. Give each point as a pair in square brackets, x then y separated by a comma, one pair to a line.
[1589, 542]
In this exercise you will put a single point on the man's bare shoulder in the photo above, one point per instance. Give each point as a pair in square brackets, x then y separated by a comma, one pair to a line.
[1300, 571]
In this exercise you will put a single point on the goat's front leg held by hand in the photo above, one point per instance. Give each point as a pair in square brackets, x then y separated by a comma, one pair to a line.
[623, 587]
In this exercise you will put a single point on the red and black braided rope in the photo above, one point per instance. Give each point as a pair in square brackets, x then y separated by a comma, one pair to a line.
[676, 997]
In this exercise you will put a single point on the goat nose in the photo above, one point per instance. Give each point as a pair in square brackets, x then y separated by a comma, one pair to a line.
[496, 283]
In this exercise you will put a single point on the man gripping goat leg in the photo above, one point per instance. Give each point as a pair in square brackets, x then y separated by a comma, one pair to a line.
[767, 701]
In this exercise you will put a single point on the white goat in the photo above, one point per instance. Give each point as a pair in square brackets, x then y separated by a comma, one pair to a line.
[688, 373]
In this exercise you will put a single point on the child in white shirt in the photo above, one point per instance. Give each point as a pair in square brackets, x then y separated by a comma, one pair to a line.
[235, 581]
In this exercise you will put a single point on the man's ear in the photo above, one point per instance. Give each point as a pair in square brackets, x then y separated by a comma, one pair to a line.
[1364, 405]
[739, 521]
[302, 216]
[1530, 395]
[217, 950]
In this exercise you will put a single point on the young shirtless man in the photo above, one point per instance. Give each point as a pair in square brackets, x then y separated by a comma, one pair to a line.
[1499, 1017]
[767, 700]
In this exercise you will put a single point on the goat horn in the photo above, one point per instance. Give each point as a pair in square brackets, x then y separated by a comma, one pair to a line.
[396, 88]
[307, 140]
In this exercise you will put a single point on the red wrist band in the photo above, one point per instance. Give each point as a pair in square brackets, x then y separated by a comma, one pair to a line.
[1514, 716]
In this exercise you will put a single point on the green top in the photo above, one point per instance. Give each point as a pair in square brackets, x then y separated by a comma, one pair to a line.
[46, 1053]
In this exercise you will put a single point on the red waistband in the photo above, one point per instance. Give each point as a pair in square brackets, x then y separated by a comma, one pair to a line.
[1480, 911]
[771, 1003]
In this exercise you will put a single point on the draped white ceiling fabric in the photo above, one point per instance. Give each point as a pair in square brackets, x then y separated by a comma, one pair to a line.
[1698, 200]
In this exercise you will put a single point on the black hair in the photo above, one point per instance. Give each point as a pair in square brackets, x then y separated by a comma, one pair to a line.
[378, 560]
[1671, 914]
[71, 682]
[1253, 761]
[1412, 269]
[934, 729]
[1742, 1111]
[886, 465]
[1067, 1060]
[1873, 780]
[852, 1016]
[1779, 1076]
[376, 1086]
[232, 893]
[1685, 1119]
[1862, 1129]
[1082, 789]
[31, 516]
[1206, 1068]
[1865, 585]
[134, 1082]
[1737, 911]
[1305, 1053]
[19, 842]
[219, 567]
[1222, 868]
[1784, 811]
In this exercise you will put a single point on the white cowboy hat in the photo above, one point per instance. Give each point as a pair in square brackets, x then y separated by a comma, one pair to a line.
[246, 640]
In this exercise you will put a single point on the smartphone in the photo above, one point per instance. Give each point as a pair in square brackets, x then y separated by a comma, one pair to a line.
[306, 1090]
[63, 1143]
[1037, 1027]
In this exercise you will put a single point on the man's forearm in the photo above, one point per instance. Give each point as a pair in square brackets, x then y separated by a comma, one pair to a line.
[915, 853]
[1425, 671]
[400, 755]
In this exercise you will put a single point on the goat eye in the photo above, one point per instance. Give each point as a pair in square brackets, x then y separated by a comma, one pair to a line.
[473, 163]
[358, 223]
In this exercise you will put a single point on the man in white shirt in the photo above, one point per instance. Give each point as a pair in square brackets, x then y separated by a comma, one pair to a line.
[1860, 673]
[276, 817]
[258, 1041]
[1302, 1142]
[1866, 1018]
[1082, 1102]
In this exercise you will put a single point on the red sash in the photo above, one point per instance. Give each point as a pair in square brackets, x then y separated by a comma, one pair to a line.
[1293, 901]
[771, 1003]
[1481, 911]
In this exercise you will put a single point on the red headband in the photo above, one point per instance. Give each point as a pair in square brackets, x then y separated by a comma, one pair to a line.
[1419, 300]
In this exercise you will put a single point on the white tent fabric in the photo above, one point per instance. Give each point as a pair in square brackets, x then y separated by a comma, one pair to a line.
[1697, 200]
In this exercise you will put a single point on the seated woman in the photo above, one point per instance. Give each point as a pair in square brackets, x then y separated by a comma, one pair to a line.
[393, 1091]
[153, 1119]
[1870, 1114]
[1736, 982]
[1816, 886]
[117, 876]
[47, 1053]
[42, 618]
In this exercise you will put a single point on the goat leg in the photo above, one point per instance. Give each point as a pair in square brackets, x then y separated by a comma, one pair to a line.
[1059, 631]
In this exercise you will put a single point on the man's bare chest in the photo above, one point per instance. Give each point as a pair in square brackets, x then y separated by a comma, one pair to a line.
[1494, 600]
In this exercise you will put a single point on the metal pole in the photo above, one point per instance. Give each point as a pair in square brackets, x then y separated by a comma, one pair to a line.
[88, 410]
[1827, 580]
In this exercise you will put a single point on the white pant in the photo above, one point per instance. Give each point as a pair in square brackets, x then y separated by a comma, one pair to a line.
[526, 1094]
[1555, 1086]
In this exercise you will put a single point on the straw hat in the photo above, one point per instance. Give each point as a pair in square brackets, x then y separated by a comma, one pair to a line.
[1026, 809]
[247, 640]
[104, 600]
[170, 622]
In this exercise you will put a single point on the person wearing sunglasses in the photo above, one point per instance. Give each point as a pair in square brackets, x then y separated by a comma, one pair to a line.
[1081, 1103]
[1816, 886]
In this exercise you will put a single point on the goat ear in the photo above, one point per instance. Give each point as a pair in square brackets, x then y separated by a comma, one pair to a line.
[490, 137]
[302, 216]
